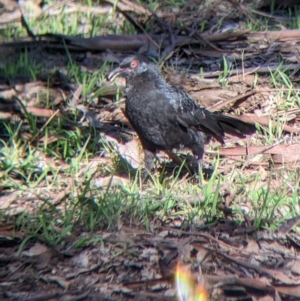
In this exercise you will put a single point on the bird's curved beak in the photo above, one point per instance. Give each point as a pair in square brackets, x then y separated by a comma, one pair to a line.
[115, 73]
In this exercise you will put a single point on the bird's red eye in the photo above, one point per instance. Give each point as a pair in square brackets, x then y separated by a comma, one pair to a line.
[134, 64]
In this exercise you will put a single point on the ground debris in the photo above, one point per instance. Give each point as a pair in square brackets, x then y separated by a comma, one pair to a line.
[247, 266]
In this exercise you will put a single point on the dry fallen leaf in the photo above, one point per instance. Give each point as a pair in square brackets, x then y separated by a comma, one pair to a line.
[131, 153]
[37, 249]
[111, 181]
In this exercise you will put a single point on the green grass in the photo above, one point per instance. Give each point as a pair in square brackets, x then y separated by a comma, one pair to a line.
[91, 208]
[23, 67]
[74, 19]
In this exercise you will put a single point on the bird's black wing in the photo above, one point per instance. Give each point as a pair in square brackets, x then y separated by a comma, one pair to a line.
[191, 115]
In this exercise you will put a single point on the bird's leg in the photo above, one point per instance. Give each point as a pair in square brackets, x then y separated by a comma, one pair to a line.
[149, 157]
[197, 160]
[173, 157]
[149, 166]
[198, 152]
[179, 162]
[200, 170]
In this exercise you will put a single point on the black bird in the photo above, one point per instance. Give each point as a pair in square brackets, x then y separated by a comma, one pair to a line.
[167, 118]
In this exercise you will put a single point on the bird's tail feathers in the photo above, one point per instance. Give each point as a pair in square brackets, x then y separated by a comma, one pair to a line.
[235, 126]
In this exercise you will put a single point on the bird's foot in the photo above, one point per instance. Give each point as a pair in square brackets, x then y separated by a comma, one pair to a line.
[145, 175]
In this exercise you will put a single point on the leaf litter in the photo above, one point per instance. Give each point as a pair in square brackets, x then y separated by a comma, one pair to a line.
[233, 261]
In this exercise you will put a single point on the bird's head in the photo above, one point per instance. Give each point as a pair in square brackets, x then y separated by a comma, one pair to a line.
[131, 67]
